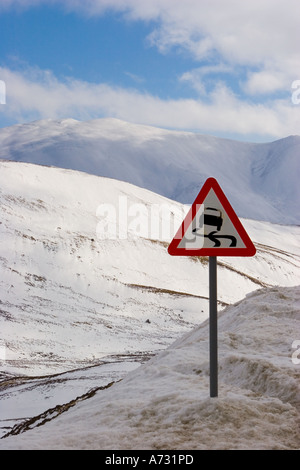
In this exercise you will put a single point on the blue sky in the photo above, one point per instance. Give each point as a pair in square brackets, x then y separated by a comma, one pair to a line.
[220, 67]
[102, 49]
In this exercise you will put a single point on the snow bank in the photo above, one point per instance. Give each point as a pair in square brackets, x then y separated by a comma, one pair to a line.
[165, 403]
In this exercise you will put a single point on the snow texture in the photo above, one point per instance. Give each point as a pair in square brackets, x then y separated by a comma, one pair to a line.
[69, 298]
[79, 313]
[164, 404]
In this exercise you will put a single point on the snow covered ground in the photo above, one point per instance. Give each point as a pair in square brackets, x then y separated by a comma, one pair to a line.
[79, 310]
[165, 404]
[69, 297]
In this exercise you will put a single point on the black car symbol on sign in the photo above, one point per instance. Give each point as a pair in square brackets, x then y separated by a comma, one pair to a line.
[213, 217]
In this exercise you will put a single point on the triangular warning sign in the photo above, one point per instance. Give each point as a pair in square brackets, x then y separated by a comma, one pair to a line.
[211, 227]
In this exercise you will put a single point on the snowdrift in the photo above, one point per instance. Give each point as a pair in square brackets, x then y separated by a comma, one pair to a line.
[165, 404]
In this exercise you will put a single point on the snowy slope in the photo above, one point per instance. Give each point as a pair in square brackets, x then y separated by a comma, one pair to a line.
[165, 403]
[260, 180]
[77, 290]
[91, 308]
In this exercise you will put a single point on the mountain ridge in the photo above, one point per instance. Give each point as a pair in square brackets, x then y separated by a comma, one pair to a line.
[260, 180]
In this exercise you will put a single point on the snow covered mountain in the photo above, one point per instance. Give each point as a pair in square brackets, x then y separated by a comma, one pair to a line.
[260, 180]
[80, 308]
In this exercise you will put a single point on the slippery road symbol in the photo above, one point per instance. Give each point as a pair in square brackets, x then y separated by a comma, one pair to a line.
[211, 227]
[215, 238]
[214, 218]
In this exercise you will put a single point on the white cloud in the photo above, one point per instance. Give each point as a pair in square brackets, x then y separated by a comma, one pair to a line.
[197, 77]
[261, 35]
[38, 94]
[244, 32]
[240, 32]
[259, 38]
[265, 82]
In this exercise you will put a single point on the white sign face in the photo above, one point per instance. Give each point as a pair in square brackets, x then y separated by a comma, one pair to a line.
[211, 227]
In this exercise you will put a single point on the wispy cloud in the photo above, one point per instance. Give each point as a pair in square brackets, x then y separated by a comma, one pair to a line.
[261, 35]
[197, 78]
[134, 77]
[240, 32]
[38, 94]
[261, 38]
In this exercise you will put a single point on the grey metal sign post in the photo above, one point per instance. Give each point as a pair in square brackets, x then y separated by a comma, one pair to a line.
[212, 228]
[213, 327]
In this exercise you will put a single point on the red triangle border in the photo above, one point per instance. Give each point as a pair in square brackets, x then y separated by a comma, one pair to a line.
[249, 250]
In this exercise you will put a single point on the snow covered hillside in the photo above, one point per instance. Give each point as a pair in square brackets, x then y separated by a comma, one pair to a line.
[70, 296]
[165, 404]
[260, 180]
[80, 308]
